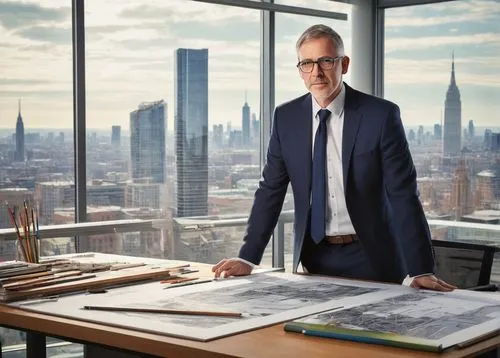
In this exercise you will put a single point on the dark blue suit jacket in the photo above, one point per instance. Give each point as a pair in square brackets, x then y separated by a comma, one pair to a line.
[379, 183]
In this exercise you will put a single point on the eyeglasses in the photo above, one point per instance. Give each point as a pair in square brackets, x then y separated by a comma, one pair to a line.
[325, 63]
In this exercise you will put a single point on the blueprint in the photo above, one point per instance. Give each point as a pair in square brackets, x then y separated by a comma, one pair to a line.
[445, 318]
[263, 299]
[266, 299]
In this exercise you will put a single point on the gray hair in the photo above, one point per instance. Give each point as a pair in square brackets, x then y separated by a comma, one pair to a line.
[320, 31]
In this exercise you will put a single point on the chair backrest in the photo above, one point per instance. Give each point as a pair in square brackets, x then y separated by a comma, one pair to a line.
[464, 265]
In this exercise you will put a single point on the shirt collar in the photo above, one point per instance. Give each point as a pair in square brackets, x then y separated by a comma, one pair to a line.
[336, 106]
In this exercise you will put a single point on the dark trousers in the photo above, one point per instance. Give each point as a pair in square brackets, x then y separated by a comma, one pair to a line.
[344, 260]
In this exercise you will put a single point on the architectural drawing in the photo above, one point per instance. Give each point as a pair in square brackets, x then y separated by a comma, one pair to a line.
[263, 299]
[444, 318]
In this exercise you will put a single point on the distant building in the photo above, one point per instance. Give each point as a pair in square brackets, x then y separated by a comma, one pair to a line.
[218, 135]
[452, 117]
[471, 129]
[147, 142]
[106, 243]
[411, 135]
[487, 139]
[461, 195]
[143, 195]
[116, 136]
[19, 156]
[437, 131]
[245, 124]
[487, 187]
[495, 142]
[191, 131]
[59, 195]
[255, 131]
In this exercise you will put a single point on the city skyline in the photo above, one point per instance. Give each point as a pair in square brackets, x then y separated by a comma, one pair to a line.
[131, 47]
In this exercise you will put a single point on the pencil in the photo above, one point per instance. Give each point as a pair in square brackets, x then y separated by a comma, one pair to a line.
[162, 310]
[174, 279]
[187, 283]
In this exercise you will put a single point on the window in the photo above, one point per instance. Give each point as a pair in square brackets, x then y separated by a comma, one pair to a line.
[441, 68]
[36, 138]
[173, 122]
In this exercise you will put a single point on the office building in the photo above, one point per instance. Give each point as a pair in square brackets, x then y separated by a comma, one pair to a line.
[245, 124]
[452, 117]
[147, 142]
[19, 156]
[461, 194]
[191, 131]
[115, 136]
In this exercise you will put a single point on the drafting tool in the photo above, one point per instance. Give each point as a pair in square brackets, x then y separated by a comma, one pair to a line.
[187, 283]
[162, 310]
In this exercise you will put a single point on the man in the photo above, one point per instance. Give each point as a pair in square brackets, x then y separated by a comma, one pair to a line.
[357, 212]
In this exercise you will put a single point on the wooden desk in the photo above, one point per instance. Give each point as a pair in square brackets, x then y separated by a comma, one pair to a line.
[271, 342]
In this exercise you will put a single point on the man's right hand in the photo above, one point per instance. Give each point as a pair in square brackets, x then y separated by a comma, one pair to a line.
[231, 267]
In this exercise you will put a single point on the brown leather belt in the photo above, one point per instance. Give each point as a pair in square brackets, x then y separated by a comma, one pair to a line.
[341, 239]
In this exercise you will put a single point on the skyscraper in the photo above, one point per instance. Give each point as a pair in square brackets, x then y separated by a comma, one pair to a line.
[19, 137]
[191, 131]
[147, 142]
[461, 194]
[245, 123]
[115, 136]
[437, 131]
[255, 131]
[471, 130]
[452, 117]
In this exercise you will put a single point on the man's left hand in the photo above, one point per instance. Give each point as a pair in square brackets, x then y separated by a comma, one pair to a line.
[431, 282]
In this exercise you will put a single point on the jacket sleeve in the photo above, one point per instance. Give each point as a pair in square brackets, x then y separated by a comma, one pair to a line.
[400, 181]
[268, 199]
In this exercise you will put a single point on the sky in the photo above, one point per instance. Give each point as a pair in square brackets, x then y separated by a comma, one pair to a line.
[130, 48]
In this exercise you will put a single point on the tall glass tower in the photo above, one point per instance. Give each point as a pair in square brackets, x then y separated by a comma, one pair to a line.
[147, 142]
[19, 156]
[452, 117]
[245, 123]
[191, 131]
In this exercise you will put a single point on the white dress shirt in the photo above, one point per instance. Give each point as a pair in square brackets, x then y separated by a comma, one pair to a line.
[338, 221]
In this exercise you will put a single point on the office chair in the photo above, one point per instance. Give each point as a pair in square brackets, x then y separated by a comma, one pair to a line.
[464, 265]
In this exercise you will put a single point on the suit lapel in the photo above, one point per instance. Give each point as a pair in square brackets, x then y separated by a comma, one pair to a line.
[304, 117]
[352, 119]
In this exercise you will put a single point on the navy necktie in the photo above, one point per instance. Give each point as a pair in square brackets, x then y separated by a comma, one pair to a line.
[318, 195]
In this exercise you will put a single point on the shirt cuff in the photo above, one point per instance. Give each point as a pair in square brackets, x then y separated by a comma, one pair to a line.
[409, 280]
[252, 265]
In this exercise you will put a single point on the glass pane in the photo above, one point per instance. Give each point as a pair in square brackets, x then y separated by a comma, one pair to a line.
[173, 123]
[450, 112]
[36, 135]
[441, 68]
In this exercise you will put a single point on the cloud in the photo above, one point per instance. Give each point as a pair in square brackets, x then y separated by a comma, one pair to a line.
[456, 12]
[417, 44]
[52, 34]
[17, 14]
[50, 94]
[469, 72]
[172, 12]
[22, 81]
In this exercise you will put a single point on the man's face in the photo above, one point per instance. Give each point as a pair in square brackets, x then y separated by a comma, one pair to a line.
[324, 85]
